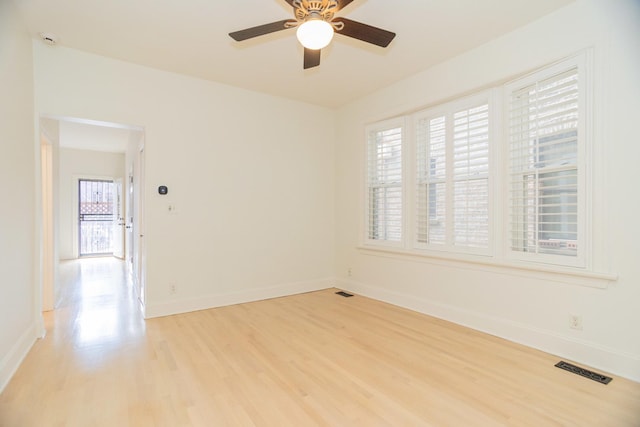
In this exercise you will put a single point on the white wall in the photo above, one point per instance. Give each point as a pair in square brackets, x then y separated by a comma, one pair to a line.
[251, 176]
[75, 164]
[17, 209]
[532, 309]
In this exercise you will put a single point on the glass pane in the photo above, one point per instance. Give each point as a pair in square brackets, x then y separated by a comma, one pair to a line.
[385, 213]
[95, 209]
[471, 213]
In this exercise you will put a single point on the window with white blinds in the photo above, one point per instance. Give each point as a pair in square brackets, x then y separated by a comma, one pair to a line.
[384, 184]
[471, 177]
[452, 188]
[447, 162]
[431, 226]
[546, 169]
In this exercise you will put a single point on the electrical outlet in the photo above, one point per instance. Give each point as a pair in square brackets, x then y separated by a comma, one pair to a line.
[172, 290]
[575, 321]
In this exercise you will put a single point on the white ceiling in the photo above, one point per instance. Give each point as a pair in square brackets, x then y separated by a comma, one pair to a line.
[191, 37]
[95, 136]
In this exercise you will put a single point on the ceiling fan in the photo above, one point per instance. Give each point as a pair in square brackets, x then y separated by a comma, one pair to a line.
[317, 24]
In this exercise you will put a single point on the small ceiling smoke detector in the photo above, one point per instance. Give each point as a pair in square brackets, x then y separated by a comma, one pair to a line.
[48, 38]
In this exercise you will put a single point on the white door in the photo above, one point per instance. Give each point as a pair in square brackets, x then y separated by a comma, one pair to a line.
[118, 220]
[141, 255]
[129, 240]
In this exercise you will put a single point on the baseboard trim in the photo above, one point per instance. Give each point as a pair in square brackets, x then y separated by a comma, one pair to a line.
[12, 361]
[582, 352]
[186, 305]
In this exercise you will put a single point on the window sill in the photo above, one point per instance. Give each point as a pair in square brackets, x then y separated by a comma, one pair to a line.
[567, 275]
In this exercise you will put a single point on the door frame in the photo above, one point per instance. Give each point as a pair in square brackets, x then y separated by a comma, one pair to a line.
[76, 206]
[139, 253]
[49, 261]
[119, 220]
[48, 131]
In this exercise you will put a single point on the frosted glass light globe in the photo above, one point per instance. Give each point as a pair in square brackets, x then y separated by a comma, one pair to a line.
[315, 34]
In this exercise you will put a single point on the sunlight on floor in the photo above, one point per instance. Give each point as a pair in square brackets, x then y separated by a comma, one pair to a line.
[98, 295]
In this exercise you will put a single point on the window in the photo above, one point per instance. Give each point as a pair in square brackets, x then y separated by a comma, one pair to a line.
[452, 189]
[443, 165]
[546, 142]
[432, 181]
[384, 183]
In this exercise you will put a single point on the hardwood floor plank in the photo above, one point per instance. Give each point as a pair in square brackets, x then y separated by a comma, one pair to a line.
[314, 359]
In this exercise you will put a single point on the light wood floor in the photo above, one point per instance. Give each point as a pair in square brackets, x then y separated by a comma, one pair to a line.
[315, 359]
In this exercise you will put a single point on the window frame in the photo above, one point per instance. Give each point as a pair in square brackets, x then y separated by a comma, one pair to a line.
[401, 123]
[448, 110]
[499, 253]
[582, 63]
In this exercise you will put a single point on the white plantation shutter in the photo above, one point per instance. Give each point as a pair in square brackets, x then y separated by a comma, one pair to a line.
[385, 193]
[452, 183]
[432, 185]
[471, 177]
[441, 163]
[544, 131]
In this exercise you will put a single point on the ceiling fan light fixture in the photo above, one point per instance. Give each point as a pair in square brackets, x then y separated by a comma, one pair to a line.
[315, 34]
[316, 26]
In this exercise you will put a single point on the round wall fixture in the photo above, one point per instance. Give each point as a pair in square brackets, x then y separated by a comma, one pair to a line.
[48, 38]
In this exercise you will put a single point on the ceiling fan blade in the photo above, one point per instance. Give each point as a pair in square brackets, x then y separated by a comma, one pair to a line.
[311, 58]
[260, 30]
[365, 32]
[343, 3]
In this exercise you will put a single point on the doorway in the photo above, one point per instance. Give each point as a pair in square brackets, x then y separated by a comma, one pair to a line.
[96, 205]
[91, 213]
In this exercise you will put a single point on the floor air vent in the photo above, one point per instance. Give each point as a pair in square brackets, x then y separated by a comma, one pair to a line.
[584, 372]
[344, 294]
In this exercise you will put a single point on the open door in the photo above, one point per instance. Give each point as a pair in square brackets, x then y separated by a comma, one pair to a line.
[129, 242]
[118, 220]
[141, 254]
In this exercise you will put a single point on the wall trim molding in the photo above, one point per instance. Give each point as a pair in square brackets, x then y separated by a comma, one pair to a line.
[579, 351]
[186, 305]
[13, 359]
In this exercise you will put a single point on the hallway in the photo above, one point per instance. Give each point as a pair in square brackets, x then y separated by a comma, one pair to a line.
[94, 343]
